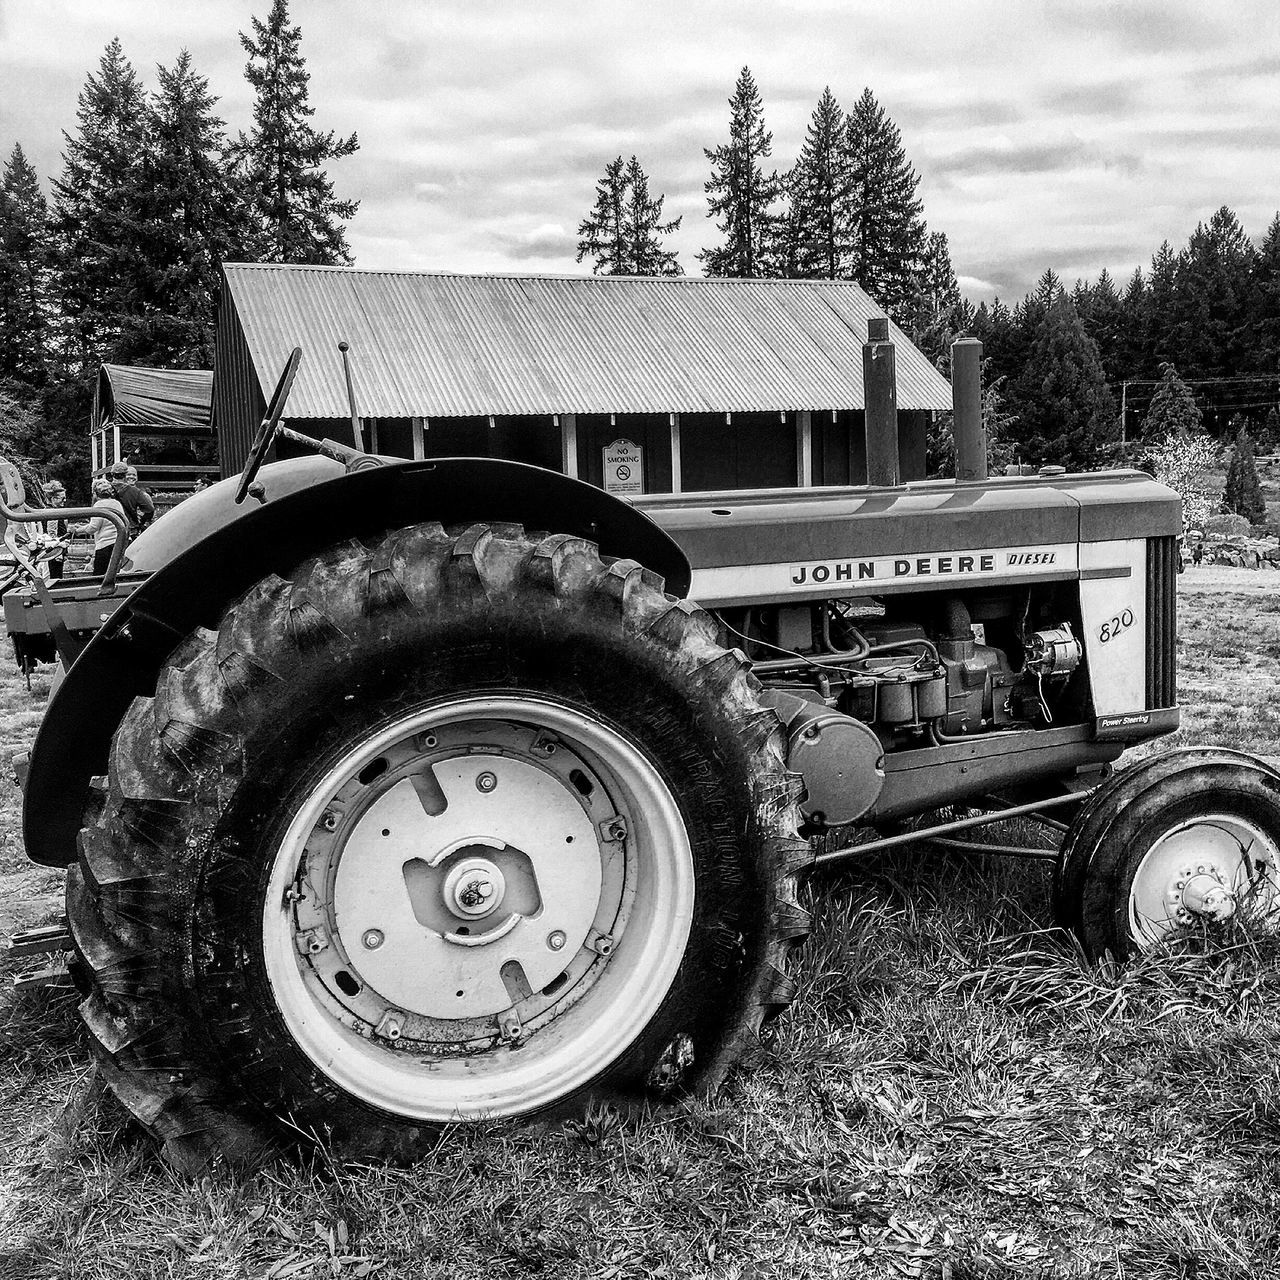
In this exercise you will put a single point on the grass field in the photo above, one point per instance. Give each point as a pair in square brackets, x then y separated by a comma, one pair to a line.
[955, 1094]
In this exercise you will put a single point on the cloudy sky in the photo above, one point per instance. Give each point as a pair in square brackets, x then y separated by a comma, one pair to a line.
[1065, 133]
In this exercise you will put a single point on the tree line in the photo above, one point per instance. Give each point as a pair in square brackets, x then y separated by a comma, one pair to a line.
[155, 190]
[121, 265]
[1071, 373]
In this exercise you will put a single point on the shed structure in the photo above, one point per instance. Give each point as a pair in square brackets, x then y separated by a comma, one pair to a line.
[160, 420]
[637, 384]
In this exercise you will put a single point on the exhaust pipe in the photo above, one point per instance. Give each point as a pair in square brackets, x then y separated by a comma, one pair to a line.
[969, 434]
[880, 396]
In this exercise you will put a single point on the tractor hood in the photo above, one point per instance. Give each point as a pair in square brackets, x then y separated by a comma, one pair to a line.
[765, 545]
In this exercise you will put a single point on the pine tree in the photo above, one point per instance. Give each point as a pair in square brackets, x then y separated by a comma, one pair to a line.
[602, 234]
[889, 231]
[1269, 437]
[1264, 355]
[821, 198]
[1130, 353]
[99, 202]
[622, 233]
[740, 193]
[938, 315]
[1173, 410]
[645, 227]
[1212, 295]
[1243, 493]
[1102, 311]
[1158, 342]
[24, 274]
[298, 216]
[193, 220]
[1066, 412]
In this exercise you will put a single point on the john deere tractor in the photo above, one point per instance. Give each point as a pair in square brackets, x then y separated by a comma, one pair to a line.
[397, 794]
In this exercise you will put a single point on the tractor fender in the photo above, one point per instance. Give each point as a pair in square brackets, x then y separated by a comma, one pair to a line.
[207, 552]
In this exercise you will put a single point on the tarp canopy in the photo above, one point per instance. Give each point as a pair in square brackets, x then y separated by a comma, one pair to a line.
[162, 400]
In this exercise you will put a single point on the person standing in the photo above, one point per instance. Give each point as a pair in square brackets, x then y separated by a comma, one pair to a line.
[103, 530]
[139, 510]
[55, 495]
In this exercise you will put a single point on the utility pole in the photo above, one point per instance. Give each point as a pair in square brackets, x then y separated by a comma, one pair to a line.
[1124, 404]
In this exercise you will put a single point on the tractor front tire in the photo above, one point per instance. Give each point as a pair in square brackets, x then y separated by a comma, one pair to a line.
[455, 826]
[1173, 842]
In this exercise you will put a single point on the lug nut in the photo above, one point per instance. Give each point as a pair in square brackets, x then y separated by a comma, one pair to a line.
[486, 782]
[373, 939]
[556, 939]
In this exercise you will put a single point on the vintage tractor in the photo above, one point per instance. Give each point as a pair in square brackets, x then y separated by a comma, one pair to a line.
[398, 794]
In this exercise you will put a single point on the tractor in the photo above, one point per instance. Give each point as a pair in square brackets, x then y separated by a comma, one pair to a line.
[401, 794]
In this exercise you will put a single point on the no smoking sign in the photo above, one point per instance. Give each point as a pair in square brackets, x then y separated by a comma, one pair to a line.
[623, 467]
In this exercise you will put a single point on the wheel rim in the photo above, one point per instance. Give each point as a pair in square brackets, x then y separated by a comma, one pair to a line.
[1210, 868]
[478, 908]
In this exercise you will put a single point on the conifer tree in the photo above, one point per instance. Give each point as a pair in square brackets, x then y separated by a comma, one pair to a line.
[24, 274]
[1265, 326]
[821, 197]
[1212, 296]
[741, 195]
[889, 231]
[1243, 493]
[298, 217]
[938, 314]
[1066, 412]
[602, 234]
[645, 227]
[1130, 353]
[98, 201]
[622, 233]
[1158, 343]
[193, 220]
[1173, 410]
[1101, 310]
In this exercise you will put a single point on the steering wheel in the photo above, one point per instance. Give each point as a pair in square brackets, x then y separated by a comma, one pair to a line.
[270, 421]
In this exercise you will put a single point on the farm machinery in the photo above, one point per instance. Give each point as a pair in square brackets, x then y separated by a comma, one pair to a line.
[395, 794]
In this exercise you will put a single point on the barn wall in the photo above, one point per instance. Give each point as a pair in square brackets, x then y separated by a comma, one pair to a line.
[238, 401]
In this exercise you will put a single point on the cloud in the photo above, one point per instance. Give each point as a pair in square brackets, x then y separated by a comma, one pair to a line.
[550, 240]
[1077, 133]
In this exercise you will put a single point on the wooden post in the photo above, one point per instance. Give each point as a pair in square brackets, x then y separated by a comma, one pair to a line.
[676, 484]
[569, 444]
[419, 427]
[804, 448]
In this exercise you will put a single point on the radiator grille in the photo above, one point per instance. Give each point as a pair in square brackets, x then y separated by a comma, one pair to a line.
[1162, 622]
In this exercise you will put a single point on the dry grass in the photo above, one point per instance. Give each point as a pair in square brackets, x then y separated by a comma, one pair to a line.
[956, 1093]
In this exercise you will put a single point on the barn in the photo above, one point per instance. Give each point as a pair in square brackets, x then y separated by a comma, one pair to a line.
[640, 385]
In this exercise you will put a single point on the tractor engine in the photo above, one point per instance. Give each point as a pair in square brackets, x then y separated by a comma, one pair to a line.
[923, 671]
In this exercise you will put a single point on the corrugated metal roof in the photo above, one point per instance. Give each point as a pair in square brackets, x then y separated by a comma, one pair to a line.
[427, 344]
[136, 396]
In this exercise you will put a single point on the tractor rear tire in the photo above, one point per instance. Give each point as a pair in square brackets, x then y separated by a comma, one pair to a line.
[454, 826]
[1177, 839]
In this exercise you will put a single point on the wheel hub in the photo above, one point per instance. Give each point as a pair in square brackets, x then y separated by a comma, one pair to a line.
[1204, 894]
[485, 875]
[449, 879]
[1210, 868]
[474, 888]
